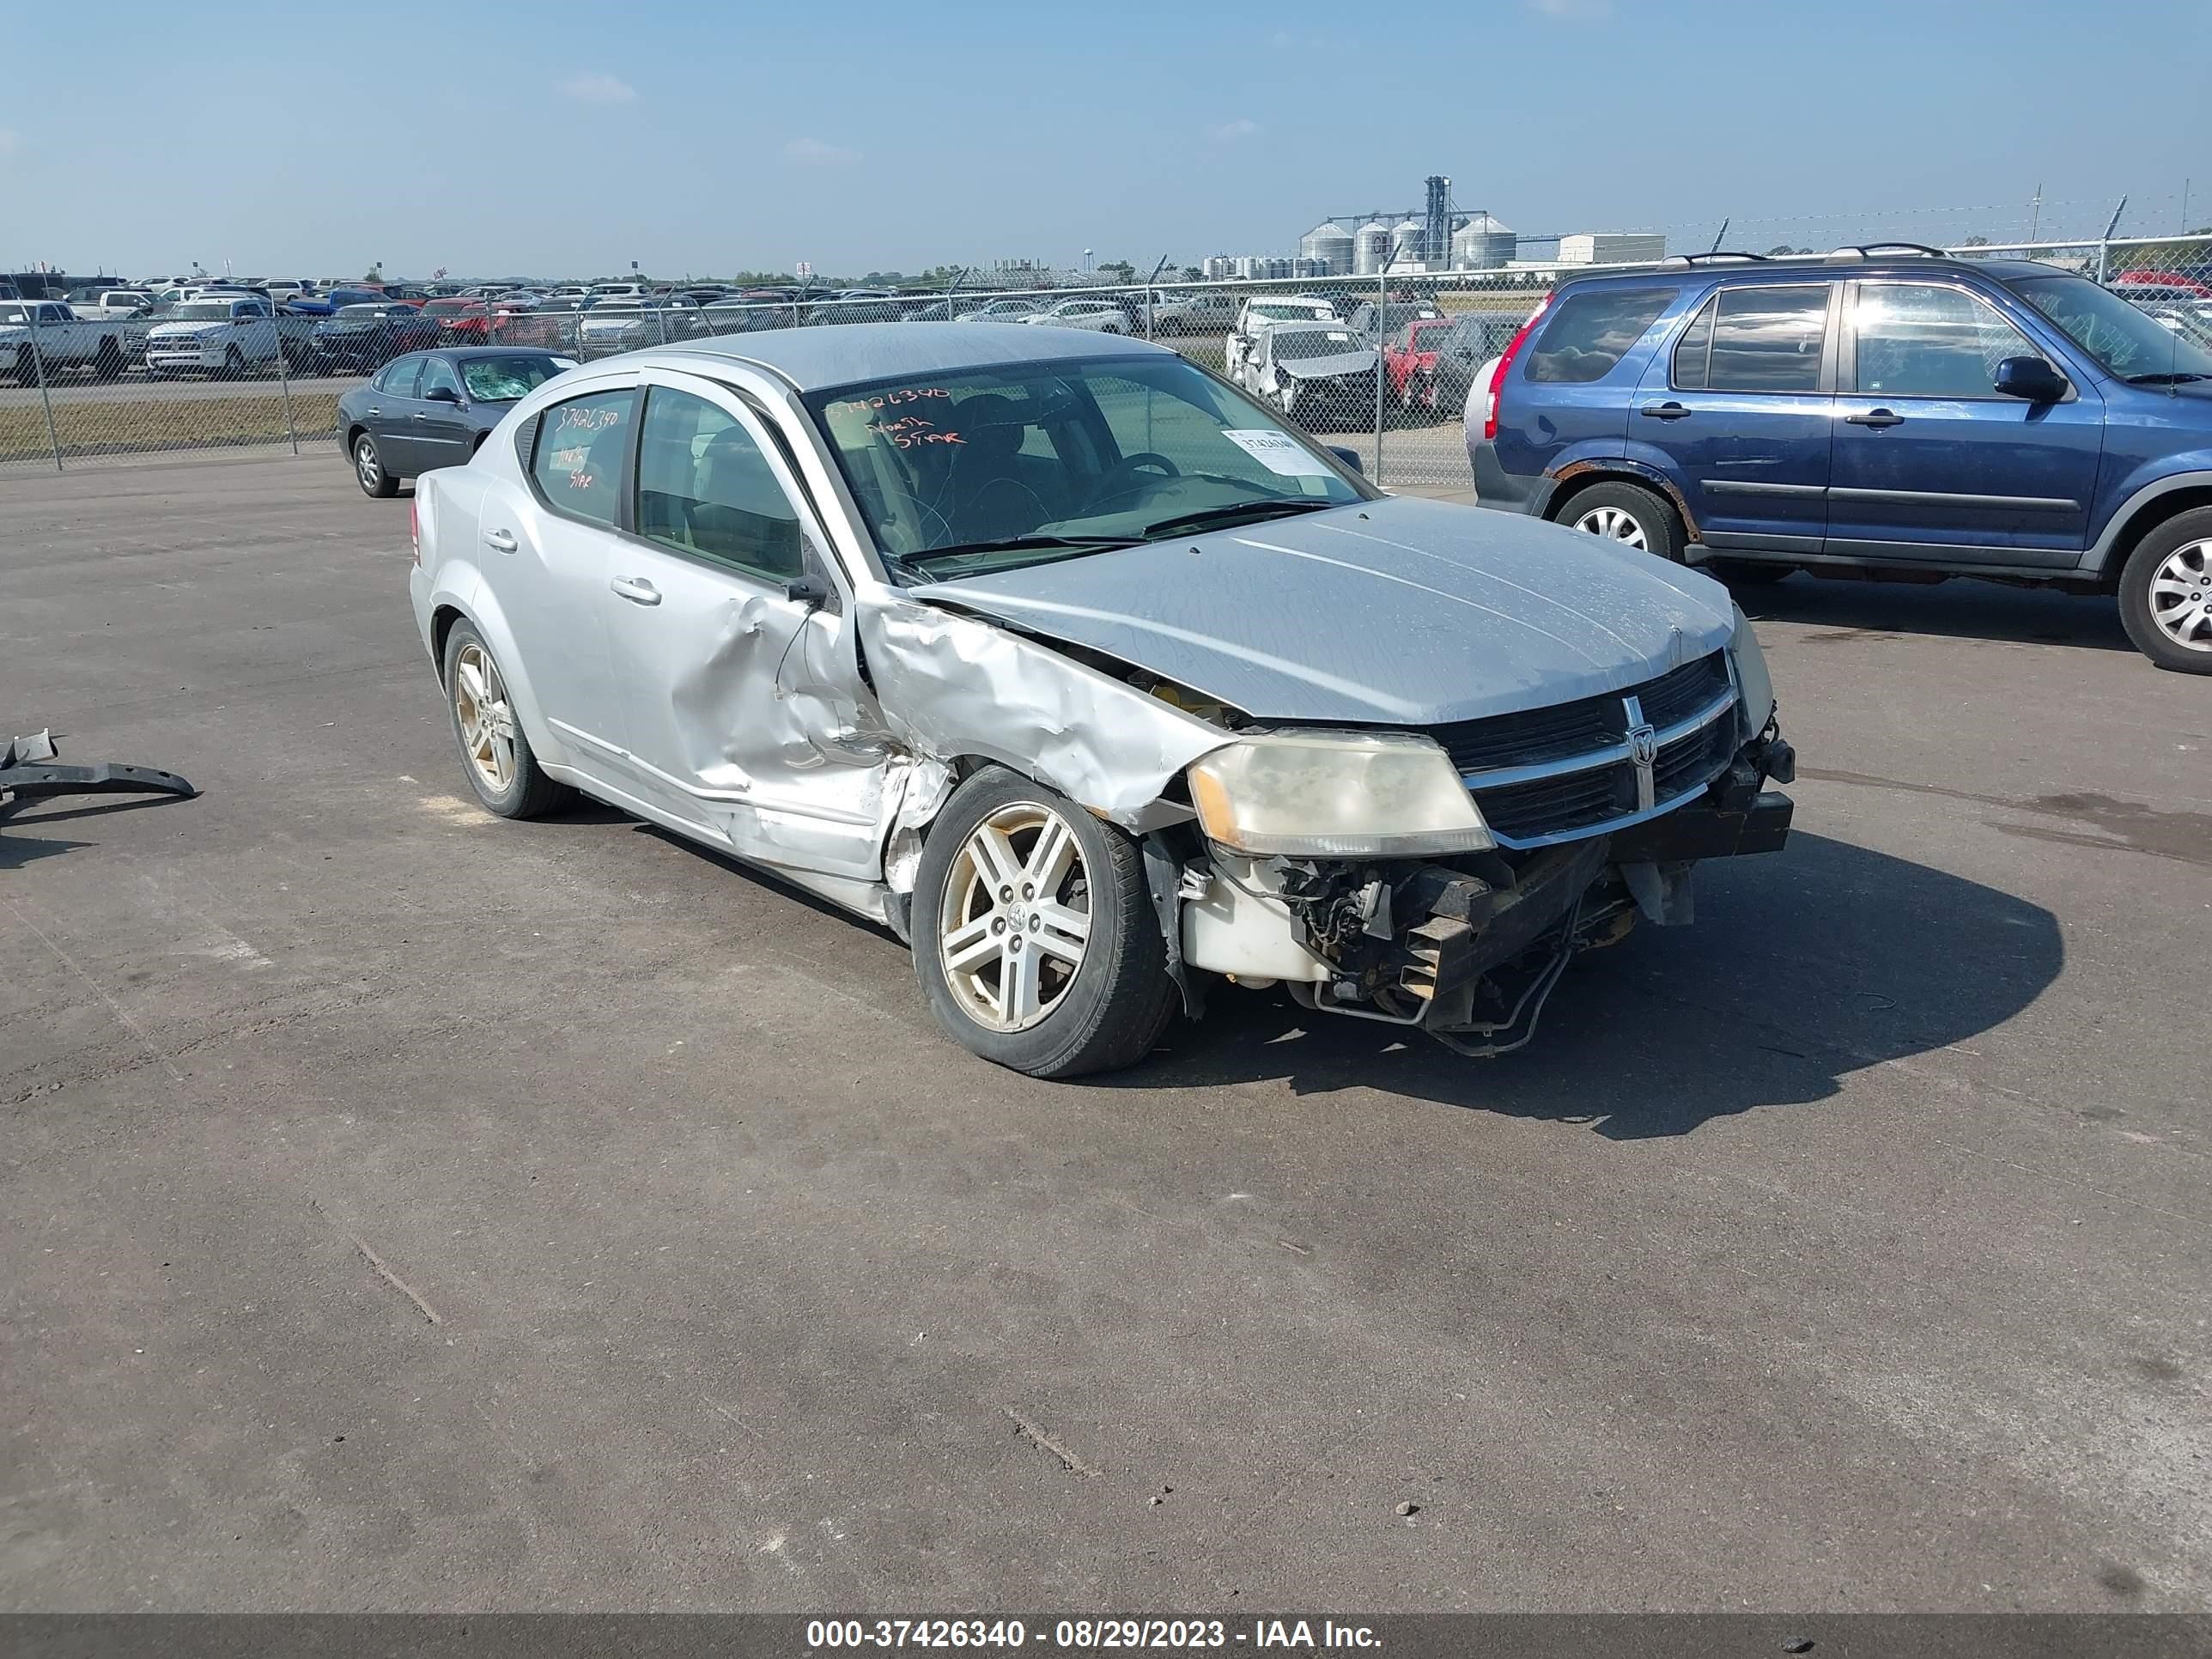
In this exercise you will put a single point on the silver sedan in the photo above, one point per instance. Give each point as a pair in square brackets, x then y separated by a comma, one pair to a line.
[1089, 676]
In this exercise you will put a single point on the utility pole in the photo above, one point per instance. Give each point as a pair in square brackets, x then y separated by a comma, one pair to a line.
[1719, 234]
[2035, 215]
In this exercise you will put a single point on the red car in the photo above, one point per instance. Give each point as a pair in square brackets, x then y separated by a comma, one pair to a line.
[460, 322]
[2158, 285]
[1410, 359]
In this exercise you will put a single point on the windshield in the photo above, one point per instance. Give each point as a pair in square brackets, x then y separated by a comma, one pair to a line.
[365, 314]
[952, 470]
[1260, 312]
[2124, 342]
[1293, 344]
[207, 311]
[502, 379]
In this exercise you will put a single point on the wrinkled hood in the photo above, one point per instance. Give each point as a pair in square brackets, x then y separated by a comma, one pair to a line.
[1391, 612]
[1328, 368]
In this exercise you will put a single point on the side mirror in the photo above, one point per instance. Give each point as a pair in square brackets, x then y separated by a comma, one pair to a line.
[2031, 379]
[811, 592]
[1350, 457]
[442, 394]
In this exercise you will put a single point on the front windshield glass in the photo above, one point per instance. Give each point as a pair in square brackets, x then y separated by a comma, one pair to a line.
[365, 314]
[983, 469]
[2124, 342]
[204, 312]
[502, 379]
[1292, 344]
[1261, 312]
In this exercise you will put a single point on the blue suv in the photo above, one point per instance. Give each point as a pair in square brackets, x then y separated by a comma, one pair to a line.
[1885, 410]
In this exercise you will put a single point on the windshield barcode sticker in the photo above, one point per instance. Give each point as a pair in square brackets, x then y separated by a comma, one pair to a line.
[1278, 452]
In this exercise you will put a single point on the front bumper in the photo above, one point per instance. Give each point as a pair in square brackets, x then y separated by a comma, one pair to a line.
[1466, 950]
[160, 356]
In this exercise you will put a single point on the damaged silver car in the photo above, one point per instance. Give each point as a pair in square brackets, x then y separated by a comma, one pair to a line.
[1092, 678]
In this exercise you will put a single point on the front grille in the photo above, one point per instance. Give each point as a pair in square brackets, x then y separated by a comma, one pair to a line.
[1586, 778]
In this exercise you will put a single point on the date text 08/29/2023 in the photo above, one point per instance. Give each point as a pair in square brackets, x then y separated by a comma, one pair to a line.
[1087, 1634]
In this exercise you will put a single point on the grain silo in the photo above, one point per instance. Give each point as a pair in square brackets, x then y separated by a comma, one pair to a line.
[1483, 243]
[1329, 246]
[1409, 244]
[1370, 248]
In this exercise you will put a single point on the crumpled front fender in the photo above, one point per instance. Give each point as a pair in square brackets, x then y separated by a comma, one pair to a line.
[950, 685]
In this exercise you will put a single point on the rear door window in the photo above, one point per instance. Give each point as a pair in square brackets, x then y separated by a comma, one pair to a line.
[583, 447]
[1755, 339]
[1591, 331]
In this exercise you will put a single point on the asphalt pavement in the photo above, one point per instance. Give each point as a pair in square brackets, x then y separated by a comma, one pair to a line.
[401, 1208]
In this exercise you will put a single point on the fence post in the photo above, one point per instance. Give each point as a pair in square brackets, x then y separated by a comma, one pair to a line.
[1382, 381]
[39, 367]
[284, 375]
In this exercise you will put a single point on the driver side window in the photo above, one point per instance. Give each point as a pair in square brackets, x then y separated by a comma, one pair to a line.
[705, 488]
[437, 373]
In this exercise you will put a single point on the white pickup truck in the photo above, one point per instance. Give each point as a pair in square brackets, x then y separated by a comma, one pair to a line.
[45, 335]
[95, 305]
[228, 335]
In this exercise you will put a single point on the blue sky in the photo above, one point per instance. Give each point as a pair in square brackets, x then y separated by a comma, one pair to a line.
[557, 138]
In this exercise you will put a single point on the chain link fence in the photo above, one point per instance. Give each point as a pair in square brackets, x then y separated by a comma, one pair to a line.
[1381, 364]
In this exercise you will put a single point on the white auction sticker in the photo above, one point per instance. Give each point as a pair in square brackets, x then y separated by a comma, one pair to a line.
[1278, 452]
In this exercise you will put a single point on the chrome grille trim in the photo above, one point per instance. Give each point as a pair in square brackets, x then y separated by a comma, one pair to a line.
[1613, 754]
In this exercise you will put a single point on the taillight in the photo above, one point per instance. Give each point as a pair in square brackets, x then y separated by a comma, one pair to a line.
[1505, 367]
[415, 531]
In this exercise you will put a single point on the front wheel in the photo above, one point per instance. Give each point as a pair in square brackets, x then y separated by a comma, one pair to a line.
[368, 471]
[233, 364]
[1035, 937]
[2166, 593]
[1629, 514]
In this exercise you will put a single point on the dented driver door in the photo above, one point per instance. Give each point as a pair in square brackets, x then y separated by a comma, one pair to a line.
[743, 713]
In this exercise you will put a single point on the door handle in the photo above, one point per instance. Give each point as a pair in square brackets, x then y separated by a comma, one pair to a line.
[1669, 410]
[502, 540]
[1876, 417]
[373, 409]
[636, 590]
[420, 416]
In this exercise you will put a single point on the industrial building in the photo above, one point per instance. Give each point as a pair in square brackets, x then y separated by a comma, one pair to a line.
[1437, 237]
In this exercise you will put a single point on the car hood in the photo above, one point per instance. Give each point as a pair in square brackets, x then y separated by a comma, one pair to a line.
[1392, 612]
[1328, 368]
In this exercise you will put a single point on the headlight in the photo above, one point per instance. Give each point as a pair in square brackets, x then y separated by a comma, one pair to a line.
[1753, 684]
[1336, 794]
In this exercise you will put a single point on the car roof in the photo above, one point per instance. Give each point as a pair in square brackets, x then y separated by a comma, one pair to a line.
[1842, 262]
[1316, 327]
[814, 359]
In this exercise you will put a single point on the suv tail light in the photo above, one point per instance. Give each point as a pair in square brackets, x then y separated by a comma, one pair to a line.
[1505, 367]
[415, 533]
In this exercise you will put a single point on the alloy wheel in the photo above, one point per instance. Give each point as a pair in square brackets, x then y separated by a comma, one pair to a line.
[485, 717]
[1615, 524]
[365, 464]
[2181, 596]
[1016, 918]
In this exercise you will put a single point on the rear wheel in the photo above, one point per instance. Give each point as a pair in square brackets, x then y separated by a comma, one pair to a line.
[107, 363]
[1035, 937]
[496, 752]
[2166, 593]
[1627, 514]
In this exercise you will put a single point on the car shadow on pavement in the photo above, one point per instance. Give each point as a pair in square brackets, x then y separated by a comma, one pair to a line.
[1802, 967]
[1961, 609]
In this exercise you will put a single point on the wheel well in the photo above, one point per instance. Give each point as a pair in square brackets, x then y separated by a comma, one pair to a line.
[353, 435]
[442, 626]
[2147, 518]
[1556, 508]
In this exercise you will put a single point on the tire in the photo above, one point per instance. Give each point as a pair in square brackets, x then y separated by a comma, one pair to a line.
[107, 363]
[1105, 1010]
[368, 471]
[1628, 514]
[26, 368]
[495, 754]
[1747, 573]
[2166, 593]
[234, 364]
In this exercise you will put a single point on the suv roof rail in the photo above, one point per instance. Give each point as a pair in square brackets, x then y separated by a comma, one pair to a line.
[1868, 250]
[1719, 256]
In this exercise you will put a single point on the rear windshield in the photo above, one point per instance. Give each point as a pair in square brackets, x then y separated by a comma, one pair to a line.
[1592, 330]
